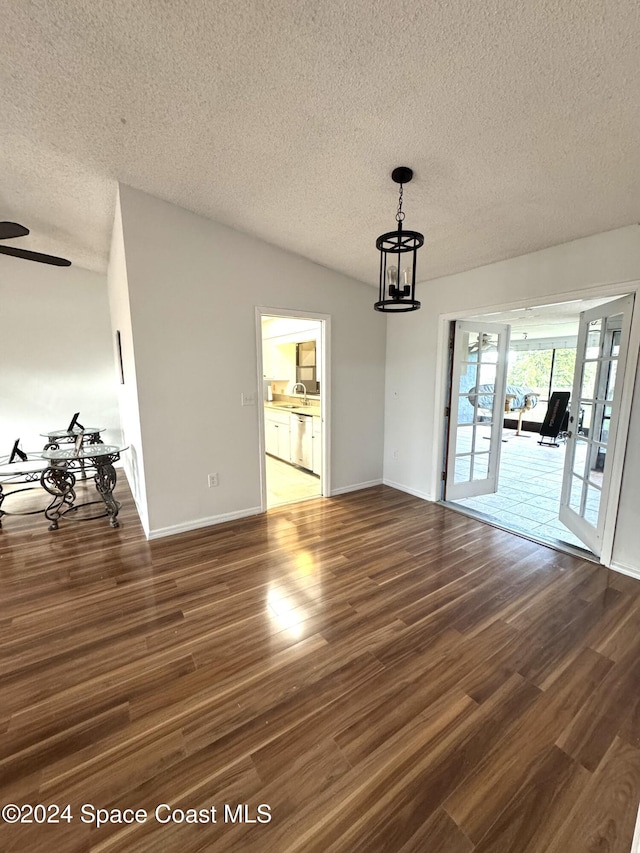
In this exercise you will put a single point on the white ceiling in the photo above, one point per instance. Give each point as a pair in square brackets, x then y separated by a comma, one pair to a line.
[535, 322]
[277, 327]
[285, 118]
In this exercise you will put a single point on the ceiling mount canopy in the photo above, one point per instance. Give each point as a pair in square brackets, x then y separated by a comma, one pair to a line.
[398, 253]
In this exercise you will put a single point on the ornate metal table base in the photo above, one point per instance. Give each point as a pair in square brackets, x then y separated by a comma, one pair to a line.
[59, 478]
[105, 478]
[59, 481]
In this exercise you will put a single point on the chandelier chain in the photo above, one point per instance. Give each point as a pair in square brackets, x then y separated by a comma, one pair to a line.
[400, 213]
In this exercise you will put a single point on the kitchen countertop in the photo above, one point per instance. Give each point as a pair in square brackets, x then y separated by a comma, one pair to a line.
[313, 410]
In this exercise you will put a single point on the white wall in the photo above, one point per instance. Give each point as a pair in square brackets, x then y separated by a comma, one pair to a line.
[193, 288]
[57, 352]
[118, 287]
[416, 370]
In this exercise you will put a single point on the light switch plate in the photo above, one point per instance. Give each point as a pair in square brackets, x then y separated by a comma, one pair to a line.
[248, 399]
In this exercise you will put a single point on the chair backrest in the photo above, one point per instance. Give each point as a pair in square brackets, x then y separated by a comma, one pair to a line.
[556, 411]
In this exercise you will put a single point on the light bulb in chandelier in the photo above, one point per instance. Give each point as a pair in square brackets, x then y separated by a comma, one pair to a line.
[392, 282]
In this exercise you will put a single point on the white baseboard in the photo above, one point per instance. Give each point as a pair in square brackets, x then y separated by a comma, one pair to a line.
[625, 570]
[414, 492]
[197, 523]
[356, 487]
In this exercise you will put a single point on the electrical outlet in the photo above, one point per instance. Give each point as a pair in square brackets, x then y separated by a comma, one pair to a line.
[395, 454]
[213, 480]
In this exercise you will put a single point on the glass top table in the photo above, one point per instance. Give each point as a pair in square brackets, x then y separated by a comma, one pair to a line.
[85, 451]
[21, 475]
[84, 435]
[72, 433]
[32, 465]
[55, 469]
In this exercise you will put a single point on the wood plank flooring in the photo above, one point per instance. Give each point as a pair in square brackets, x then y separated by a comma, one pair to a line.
[369, 672]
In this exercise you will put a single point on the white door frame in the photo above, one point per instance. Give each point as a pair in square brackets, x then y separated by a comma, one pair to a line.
[590, 534]
[325, 393]
[612, 290]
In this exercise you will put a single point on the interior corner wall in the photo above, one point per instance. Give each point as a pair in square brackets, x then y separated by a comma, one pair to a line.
[193, 288]
[415, 370]
[56, 352]
[118, 288]
[626, 546]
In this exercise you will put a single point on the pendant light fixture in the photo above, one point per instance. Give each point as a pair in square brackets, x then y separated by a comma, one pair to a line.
[398, 251]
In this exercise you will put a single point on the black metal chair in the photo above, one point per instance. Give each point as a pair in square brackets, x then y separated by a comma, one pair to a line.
[556, 420]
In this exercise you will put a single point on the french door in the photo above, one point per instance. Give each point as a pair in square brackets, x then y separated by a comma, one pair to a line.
[595, 401]
[476, 409]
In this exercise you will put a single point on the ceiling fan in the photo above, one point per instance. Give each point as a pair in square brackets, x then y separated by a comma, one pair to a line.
[8, 230]
[487, 344]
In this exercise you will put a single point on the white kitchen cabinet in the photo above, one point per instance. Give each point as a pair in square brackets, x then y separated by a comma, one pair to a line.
[284, 442]
[277, 434]
[271, 436]
[282, 361]
[316, 440]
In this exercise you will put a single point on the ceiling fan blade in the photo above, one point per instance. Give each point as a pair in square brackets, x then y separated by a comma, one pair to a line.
[12, 229]
[34, 256]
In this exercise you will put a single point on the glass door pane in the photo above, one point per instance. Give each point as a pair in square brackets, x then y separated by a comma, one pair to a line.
[477, 404]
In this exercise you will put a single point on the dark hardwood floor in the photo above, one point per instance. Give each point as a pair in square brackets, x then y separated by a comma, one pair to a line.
[382, 673]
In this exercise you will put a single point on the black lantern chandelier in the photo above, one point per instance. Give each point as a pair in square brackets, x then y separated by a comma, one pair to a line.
[398, 251]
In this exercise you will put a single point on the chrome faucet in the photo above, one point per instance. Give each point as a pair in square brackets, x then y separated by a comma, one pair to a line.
[301, 385]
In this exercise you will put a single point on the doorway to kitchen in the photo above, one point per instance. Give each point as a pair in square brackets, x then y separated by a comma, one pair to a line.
[537, 405]
[293, 368]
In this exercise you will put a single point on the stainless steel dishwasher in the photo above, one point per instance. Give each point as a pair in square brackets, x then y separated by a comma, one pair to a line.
[301, 440]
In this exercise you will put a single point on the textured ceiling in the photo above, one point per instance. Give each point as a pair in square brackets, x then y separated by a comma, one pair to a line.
[543, 321]
[285, 118]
